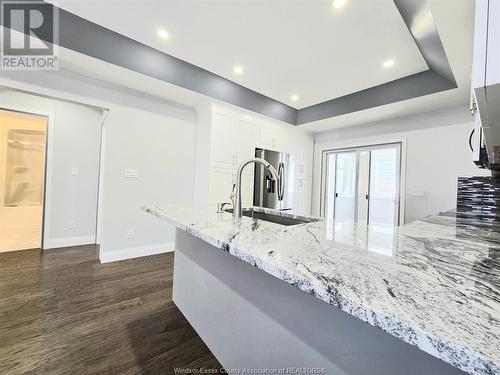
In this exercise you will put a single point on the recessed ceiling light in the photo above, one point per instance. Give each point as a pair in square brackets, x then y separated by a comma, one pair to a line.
[163, 34]
[388, 63]
[238, 69]
[294, 98]
[338, 3]
[248, 118]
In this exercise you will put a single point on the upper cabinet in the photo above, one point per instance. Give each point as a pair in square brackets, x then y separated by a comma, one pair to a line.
[267, 137]
[234, 137]
[232, 141]
[493, 60]
[272, 136]
[487, 43]
[486, 81]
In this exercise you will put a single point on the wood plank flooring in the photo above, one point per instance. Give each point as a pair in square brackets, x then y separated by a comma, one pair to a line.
[62, 312]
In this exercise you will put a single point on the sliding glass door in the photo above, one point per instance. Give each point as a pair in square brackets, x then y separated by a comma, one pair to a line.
[345, 186]
[362, 185]
[384, 186]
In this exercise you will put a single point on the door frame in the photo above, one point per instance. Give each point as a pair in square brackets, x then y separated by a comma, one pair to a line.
[355, 146]
[100, 176]
[49, 157]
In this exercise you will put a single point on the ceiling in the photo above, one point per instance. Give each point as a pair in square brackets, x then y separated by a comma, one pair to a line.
[454, 22]
[306, 48]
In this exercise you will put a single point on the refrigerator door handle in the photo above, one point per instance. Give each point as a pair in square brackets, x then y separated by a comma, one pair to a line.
[281, 181]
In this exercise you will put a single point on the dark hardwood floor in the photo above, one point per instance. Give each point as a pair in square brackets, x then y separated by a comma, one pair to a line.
[62, 312]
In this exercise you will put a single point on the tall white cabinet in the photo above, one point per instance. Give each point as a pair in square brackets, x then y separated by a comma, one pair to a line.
[234, 136]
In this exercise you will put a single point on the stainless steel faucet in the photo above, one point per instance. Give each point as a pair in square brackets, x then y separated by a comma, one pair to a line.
[237, 206]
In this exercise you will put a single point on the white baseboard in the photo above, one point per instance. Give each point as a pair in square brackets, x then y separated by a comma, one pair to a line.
[135, 252]
[54, 243]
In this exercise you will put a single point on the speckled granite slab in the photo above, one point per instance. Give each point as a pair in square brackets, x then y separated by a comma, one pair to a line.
[434, 283]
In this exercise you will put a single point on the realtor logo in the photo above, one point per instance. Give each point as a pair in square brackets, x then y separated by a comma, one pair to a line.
[29, 35]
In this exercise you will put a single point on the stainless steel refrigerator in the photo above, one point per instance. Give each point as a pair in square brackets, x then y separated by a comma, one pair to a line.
[279, 195]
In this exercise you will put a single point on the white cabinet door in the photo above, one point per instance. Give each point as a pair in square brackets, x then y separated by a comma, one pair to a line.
[245, 140]
[223, 146]
[221, 184]
[480, 43]
[267, 136]
[233, 141]
[303, 147]
[247, 189]
[493, 48]
[304, 186]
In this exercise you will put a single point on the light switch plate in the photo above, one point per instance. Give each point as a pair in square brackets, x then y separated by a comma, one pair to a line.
[131, 173]
[75, 171]
[72, 224]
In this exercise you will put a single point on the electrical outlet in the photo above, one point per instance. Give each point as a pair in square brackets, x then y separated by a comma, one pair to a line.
[72, 224]
[130, 234]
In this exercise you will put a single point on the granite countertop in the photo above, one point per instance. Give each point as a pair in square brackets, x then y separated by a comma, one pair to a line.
[434, 283]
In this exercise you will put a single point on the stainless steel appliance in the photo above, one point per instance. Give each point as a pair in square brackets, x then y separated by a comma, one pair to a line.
[280, 194]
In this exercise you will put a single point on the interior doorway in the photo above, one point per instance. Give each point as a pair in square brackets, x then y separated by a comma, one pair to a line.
[362, 185]
[22, 175]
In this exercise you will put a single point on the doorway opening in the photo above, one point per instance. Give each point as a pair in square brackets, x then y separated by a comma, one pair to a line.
[22, 178]
[362, 185]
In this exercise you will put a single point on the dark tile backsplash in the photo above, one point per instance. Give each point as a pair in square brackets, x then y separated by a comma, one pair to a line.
[479, 197]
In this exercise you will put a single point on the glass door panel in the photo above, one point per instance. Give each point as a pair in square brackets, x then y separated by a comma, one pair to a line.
[345, 187]
[384, 186]
[362, 185]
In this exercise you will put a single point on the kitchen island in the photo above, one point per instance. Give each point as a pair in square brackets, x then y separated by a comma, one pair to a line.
[423, 298]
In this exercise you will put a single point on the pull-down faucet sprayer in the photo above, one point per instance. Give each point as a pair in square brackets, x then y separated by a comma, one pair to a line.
[237, 207]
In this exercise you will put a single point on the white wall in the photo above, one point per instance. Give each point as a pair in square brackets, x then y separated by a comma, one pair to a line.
[143, 132]
[75, 138]
[436, 153]
[202, 153]
[162, 149]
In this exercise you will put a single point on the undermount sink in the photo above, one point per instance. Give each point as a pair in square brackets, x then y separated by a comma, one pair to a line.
[274, 218]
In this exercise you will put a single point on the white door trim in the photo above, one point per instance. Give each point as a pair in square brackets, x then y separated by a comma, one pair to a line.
[100, 188]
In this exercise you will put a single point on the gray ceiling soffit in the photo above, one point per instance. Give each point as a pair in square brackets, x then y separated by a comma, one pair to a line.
[86, 37]
[413, 86]
[94, 40]
[418, 18]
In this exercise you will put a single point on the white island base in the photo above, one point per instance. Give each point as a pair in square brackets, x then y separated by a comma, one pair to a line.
[250, 319]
